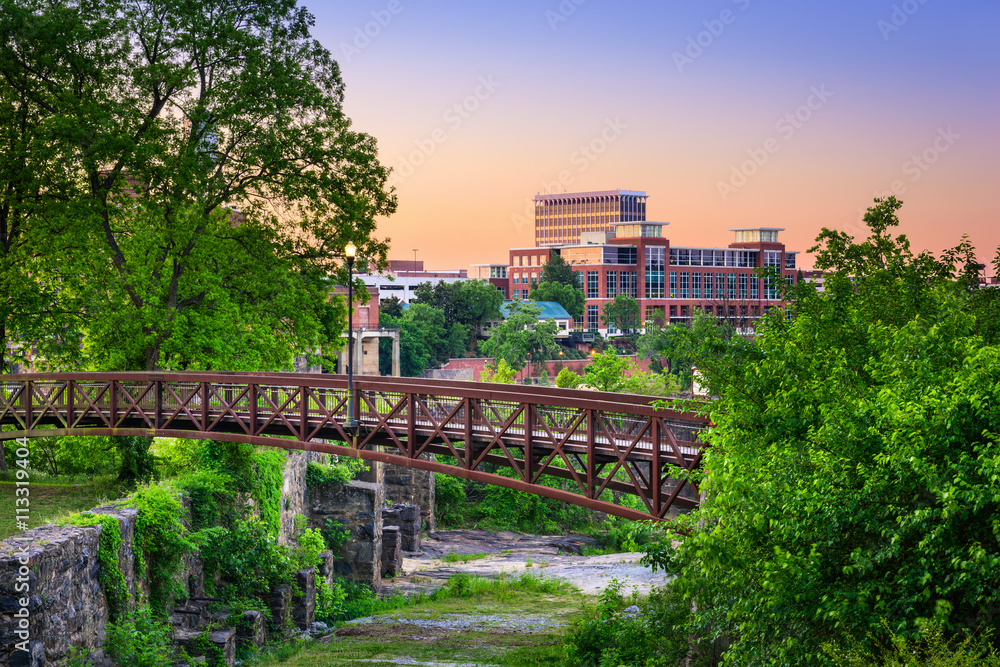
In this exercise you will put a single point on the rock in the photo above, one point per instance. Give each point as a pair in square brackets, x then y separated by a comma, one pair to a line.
[318, 628]
[222, 642]
[392, 554]
[304, 599]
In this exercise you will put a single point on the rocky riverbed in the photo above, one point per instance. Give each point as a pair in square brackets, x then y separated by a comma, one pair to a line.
[513, 553]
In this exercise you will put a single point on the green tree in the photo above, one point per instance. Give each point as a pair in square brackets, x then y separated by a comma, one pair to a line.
[852, 475]
[622, 314]
[606, 372]
[569, 297]
[156, 123]
[557, 270]
[567, 379]
[521, 336]
[470, 303]
[498, 371]
[392, 307]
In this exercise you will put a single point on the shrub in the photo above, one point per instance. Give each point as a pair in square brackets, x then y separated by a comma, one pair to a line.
[247, 556]
[449, 499]
[567, 379]
[139, 640]
[606, 637]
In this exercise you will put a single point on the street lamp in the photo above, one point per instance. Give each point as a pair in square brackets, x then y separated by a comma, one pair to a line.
[349, 253]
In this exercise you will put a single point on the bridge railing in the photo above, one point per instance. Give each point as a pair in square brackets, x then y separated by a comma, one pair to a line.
[598, 442]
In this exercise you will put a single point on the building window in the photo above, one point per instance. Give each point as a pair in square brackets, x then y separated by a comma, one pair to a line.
[655, 265]
[709, 292]
[731, 285]
[654, 314]
[789, 260]
[772, 258]
[517, 279]
[612, 284]
[696, 285]
[516, 294]
[743, 286]
[592, 318]
[685, 285]
[630, 281]
[673, 284]
[770, 292]
[754, 282]
[593, 284]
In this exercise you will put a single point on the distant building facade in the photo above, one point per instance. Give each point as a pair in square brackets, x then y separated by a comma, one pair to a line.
[401, 278]
[606, 238]
[561, 218]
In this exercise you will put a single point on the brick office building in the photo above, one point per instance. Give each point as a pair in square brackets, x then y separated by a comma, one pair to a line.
[634, 258]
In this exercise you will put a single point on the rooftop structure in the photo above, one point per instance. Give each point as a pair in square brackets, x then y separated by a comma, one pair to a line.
[561, 218]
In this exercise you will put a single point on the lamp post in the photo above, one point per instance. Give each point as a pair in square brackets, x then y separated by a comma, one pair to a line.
[349, 253]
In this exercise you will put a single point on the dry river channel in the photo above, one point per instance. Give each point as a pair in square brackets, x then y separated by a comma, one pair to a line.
[496, 628]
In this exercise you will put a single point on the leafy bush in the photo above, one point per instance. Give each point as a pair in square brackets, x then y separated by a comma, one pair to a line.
[607, 637]
[306, 552]
[567, 379]
[246, 555]
[139, 640]
[340, 471]
[930, 649]
[449, 500]
[335, 535]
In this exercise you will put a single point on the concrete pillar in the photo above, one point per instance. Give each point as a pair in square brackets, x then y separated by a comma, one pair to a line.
[395, 354]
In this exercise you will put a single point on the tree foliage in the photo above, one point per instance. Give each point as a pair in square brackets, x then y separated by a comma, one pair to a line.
[521, 336]
[138, 130]
[622, 313]
[852, 477]
[558, 270]
[569, 297]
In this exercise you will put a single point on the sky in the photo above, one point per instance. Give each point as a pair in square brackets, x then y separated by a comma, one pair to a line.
[727, 113]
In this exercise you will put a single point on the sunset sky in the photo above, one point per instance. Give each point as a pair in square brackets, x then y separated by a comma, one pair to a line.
[728, 113]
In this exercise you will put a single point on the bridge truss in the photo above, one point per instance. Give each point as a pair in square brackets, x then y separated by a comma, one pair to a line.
[595, 442]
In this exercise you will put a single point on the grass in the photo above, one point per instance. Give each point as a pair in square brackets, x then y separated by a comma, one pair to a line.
[49, 501]
[462, 558]
[496, 608]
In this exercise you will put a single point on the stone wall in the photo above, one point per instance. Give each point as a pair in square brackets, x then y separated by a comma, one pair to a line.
[66, 604]
[293, 490]
[357, 507]
[412, 486]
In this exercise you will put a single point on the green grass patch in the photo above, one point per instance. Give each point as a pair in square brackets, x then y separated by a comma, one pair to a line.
[462, 558]
[48, 501]
[509, 621]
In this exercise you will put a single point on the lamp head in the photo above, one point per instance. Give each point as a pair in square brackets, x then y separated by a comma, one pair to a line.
[350, 250]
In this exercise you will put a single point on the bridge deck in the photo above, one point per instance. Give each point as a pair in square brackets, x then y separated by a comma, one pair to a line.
[600, 442]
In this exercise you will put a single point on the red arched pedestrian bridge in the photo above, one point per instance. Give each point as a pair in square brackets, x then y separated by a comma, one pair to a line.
[595, 441]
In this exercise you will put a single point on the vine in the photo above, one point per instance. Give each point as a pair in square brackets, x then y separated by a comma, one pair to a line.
[109, 546]
[162, 539]
[269, 472]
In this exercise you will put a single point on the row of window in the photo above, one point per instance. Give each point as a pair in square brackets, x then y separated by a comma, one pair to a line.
[523, 278]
